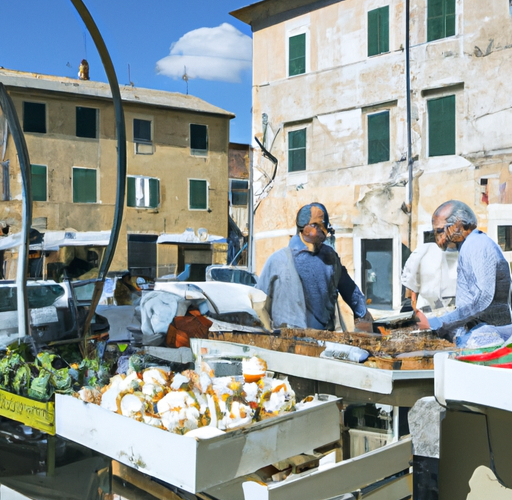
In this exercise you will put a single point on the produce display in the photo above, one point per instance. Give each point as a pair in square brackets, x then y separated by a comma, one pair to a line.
[193, 400]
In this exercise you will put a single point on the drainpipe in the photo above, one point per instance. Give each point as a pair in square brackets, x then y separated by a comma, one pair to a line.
[410, 161]
[26, 214]
[250, 239]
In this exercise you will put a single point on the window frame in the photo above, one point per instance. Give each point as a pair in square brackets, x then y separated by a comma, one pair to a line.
[441, 130]
[27, 121]
[430, 18]
[233, 190]
[143, 140]
[289, 149]
[198, 151]
[95, 170]
[376, 158]
[149, 190]
[382, 18]
[207, 202]
[292, 33]
[96, 122]
[32, 165]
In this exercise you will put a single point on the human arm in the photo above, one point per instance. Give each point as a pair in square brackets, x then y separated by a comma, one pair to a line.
[351, 294]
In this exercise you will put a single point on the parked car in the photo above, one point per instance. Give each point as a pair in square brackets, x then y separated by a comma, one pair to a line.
[57, 311]
[231, 274]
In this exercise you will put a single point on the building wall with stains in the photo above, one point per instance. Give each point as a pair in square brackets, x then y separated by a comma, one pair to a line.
[168, 158]
[342, 86]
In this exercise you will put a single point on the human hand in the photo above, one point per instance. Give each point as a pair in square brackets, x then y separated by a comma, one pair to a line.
[422, 321]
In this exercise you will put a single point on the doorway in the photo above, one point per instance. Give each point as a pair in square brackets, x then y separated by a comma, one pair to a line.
[377, 272]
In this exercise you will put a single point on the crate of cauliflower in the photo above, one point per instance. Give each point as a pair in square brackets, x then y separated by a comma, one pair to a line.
[192, 429]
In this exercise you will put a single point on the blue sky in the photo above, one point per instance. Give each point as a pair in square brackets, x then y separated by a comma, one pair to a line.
[150, 43]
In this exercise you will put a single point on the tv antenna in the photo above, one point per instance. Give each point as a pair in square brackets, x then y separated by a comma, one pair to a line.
[185, 76]
[129, 77]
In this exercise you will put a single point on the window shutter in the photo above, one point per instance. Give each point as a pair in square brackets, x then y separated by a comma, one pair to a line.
[86, 122]
[373, 32]
[440, 19]
[130, 192]
[38, 178]
[198, 194]
[384, 29]
[297, 150]
[378, 137]
[297, 55]
[198, 138]
[450, 17]
[84, 185]
[441, 126]
[154, 193]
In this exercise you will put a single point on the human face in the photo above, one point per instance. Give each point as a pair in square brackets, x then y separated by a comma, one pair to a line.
[314, 233]
[447, 234]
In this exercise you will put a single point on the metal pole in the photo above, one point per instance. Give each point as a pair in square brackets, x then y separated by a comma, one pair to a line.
[410, 161]
[121, 155]
[26, 214]
[250, 239]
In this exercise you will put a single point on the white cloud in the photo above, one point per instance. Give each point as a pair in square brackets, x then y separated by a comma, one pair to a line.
[220, 53]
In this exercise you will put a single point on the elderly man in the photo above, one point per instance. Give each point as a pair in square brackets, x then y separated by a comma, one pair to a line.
[482, 316]
[302, 281]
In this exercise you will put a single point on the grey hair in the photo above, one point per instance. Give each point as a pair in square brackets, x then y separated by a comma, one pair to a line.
[459, 211]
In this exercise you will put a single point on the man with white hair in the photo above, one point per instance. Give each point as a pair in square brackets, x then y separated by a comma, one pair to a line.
[482, 316]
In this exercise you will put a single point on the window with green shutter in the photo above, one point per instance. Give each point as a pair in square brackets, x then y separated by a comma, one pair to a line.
[440, 19]
[198, 194]
[86, 122]
[297, 150]
[84, 185]
[378, 137]
[38, 182]
[297, 54]
[378, 31]
[441, 126]
[143, 192]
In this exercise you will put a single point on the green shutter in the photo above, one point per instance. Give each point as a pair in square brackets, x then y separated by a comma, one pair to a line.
[378, 31]
[38, 178]
[130, 192]
[84, 185]
[198, 138]
[440, 19]
[198, 194]
[441, 126]
[378, 137]
[297, 150]
[373, 32]
[297, 55]
[154, 193]
[384, 29]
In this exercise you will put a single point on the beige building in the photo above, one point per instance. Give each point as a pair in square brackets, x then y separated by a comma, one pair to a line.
[330, 103]
[177, 169]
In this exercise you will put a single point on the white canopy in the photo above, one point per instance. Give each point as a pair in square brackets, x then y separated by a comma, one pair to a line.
[53, 240]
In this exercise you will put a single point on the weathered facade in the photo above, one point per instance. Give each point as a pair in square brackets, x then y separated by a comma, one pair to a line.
[330, 103]
[177, 164]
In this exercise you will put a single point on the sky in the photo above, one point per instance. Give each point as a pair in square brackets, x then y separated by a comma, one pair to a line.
[152, 43]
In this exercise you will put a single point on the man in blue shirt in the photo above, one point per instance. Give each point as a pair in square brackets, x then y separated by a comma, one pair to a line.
[302, 281]
[482, 316]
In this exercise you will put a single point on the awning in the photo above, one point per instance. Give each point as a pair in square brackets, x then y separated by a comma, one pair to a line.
[53, 240]
[189, 236]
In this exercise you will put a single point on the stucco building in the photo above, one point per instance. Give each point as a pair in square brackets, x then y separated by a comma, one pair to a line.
[177, 168]
[330, 102]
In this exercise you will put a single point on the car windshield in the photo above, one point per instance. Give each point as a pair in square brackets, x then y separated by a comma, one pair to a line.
[38, 296]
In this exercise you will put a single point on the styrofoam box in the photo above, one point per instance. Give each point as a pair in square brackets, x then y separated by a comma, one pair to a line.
[470, 383]
[189, 463]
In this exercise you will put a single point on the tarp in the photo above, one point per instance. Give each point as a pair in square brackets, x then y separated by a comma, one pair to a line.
[189, 236]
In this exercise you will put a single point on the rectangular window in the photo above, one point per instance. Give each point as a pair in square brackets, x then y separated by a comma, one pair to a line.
[143, 192]
[297, 54]
[378, 31]
[441, 126]
[141, 130]
[34, 117]
[198, 194]
[86, 122]
[198, 139]
[297, 150]
[239, 192]
[378, 137]
[440, 19]
[38, 182]
[505, 238]
[84, 185]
